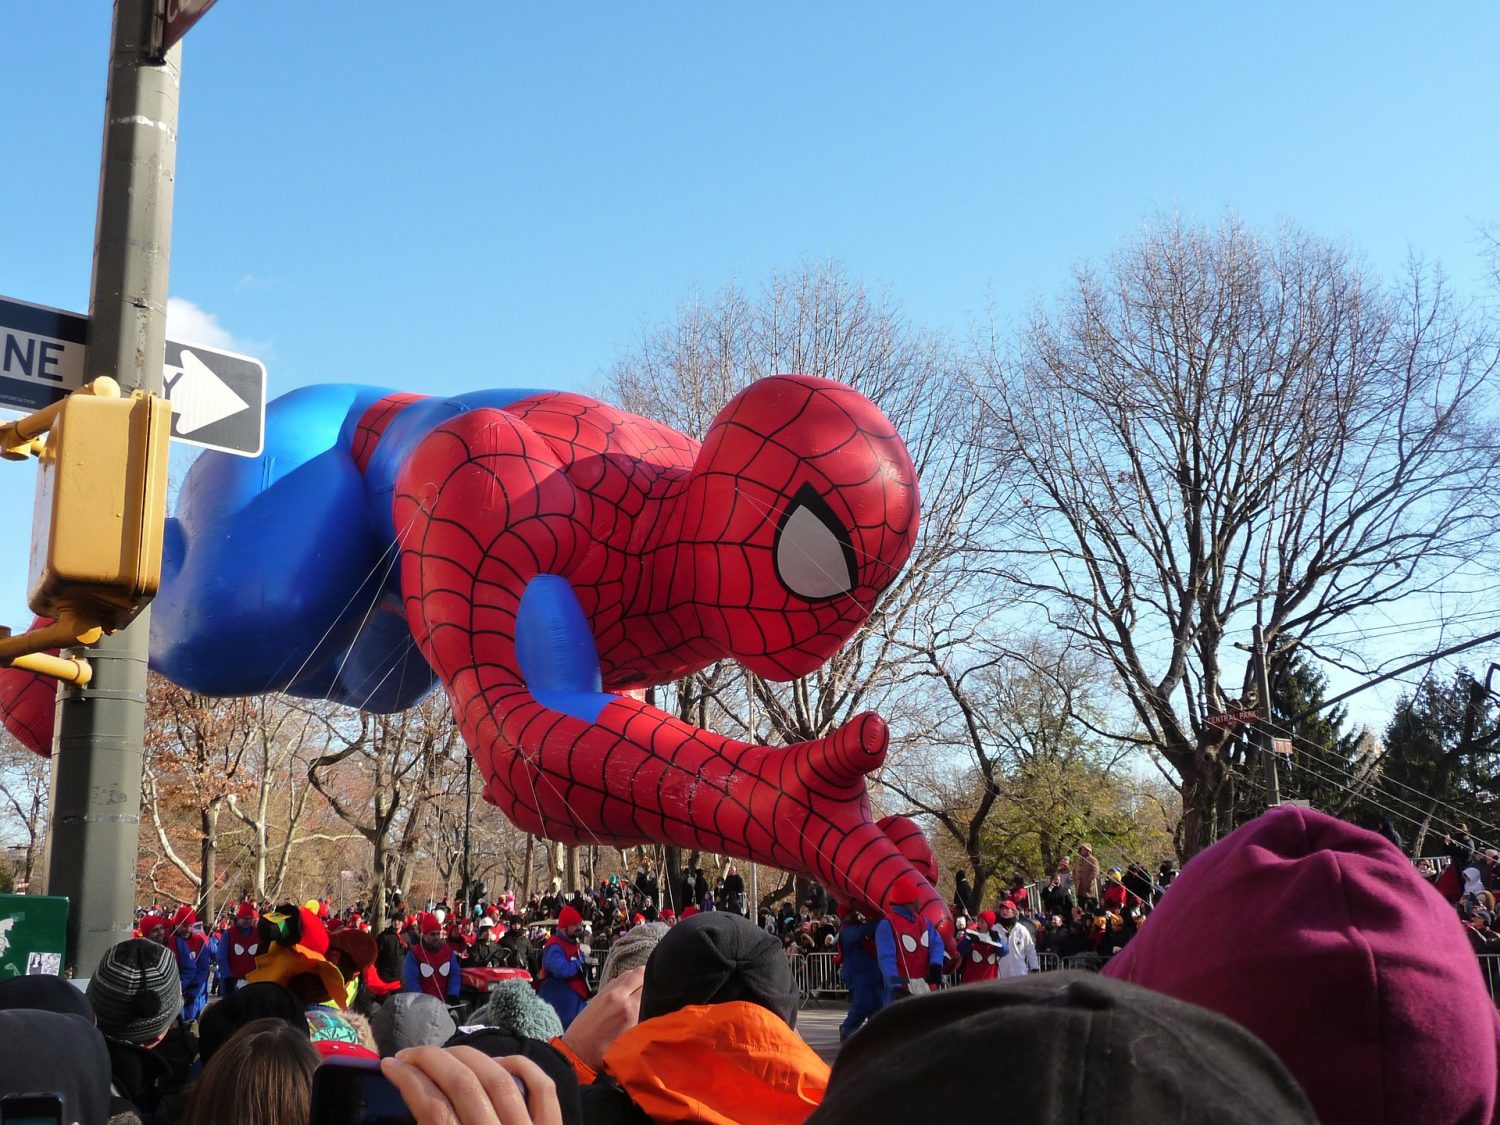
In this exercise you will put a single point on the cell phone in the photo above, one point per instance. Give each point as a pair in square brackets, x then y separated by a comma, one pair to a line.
[31, 1109]
[354, 1092]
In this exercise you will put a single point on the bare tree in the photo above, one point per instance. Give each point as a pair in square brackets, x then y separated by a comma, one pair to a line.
[275, 803]
[1015, 750]
[399, 760]
[196, 755]
[817, 321]
[25, 781]
[1220, 428]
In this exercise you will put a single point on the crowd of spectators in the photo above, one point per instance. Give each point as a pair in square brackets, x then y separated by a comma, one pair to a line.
[690, 1014]
[1471, 881]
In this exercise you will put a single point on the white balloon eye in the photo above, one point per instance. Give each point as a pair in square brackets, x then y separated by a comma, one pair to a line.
[814, 557]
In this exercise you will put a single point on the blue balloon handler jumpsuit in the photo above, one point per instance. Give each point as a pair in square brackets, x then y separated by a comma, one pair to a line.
[909, 948]
[563, 965]
[860, 970]
[195, 958]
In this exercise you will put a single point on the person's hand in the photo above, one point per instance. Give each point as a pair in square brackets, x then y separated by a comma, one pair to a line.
[611, 1013]
[462, 1086]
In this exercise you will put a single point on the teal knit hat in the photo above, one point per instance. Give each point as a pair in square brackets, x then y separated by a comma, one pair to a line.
[514, 1007]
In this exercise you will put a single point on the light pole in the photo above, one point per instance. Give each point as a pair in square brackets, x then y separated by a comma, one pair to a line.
[97, 750]
[468, 816]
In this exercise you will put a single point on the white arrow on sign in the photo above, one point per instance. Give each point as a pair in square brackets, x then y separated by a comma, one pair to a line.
[199, 397]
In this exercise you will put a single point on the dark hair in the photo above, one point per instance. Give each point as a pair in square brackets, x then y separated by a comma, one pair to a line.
[261, 1076]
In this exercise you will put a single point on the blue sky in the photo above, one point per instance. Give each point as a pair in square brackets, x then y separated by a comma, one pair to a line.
[451, 196]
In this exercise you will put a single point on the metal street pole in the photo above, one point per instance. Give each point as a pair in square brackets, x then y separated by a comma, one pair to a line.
[97, 750]
[754, 904]
[468, 816]
[1263, 687]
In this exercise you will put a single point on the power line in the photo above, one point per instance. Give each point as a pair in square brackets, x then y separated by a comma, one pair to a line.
[1385, 781]
[1448, 826]
[1452, 650]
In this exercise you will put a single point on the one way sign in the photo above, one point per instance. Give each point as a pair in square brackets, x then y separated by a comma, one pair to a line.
[218, 398]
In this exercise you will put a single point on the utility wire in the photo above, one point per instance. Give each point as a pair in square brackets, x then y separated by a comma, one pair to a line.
[1426, 660]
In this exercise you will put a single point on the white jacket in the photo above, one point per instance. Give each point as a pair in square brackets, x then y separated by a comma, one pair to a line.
[1022, 956]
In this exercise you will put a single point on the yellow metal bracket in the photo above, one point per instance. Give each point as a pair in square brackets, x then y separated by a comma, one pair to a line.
[28, 650]
[24, 437]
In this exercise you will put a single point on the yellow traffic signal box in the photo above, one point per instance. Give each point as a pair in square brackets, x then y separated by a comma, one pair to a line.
[101, 500]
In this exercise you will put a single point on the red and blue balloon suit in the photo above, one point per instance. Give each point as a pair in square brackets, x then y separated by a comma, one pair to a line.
[539, 554]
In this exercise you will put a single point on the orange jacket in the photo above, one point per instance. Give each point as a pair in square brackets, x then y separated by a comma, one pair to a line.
[720, 1064]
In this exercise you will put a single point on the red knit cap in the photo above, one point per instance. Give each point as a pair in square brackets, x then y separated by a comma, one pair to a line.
[905, 891]
[427, 923]
[247, 910]
[567, 916]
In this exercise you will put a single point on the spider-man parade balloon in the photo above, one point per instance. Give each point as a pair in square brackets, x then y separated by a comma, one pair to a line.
[537, 553]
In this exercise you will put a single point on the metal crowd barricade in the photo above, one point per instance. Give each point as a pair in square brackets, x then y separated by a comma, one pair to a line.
[823, 974]
[817, 976]
[1489, 965]
[1048, 962]
[1088, 962]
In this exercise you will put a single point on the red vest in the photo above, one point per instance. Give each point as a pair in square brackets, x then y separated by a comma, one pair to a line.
[913, 945]
[978, 961]
[242, 950]
[434, 968]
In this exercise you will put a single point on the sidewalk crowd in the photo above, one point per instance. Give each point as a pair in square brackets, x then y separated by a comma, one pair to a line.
[1299, 970]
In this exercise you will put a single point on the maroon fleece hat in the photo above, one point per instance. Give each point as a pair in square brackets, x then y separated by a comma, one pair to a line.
[1322, 940]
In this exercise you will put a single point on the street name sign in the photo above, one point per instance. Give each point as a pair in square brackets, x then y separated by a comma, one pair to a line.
[1233, 718]
[218, 398]
[176, 17]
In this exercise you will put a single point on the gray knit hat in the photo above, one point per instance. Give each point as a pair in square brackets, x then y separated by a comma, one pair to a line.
[135, 991]
[411, 1019]
[513, 1006]
[631, 949]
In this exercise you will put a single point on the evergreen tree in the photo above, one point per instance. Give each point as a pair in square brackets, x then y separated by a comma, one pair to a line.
[1442, 756]
[1322, 768]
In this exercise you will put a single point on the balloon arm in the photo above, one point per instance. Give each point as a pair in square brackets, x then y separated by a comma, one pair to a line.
[555, 650]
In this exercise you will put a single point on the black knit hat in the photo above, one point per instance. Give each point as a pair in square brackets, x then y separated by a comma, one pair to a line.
[1061, 1047]
[53, 1053]
[135, 991]
[44, 994]
[263, 1000]
[714, 958]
